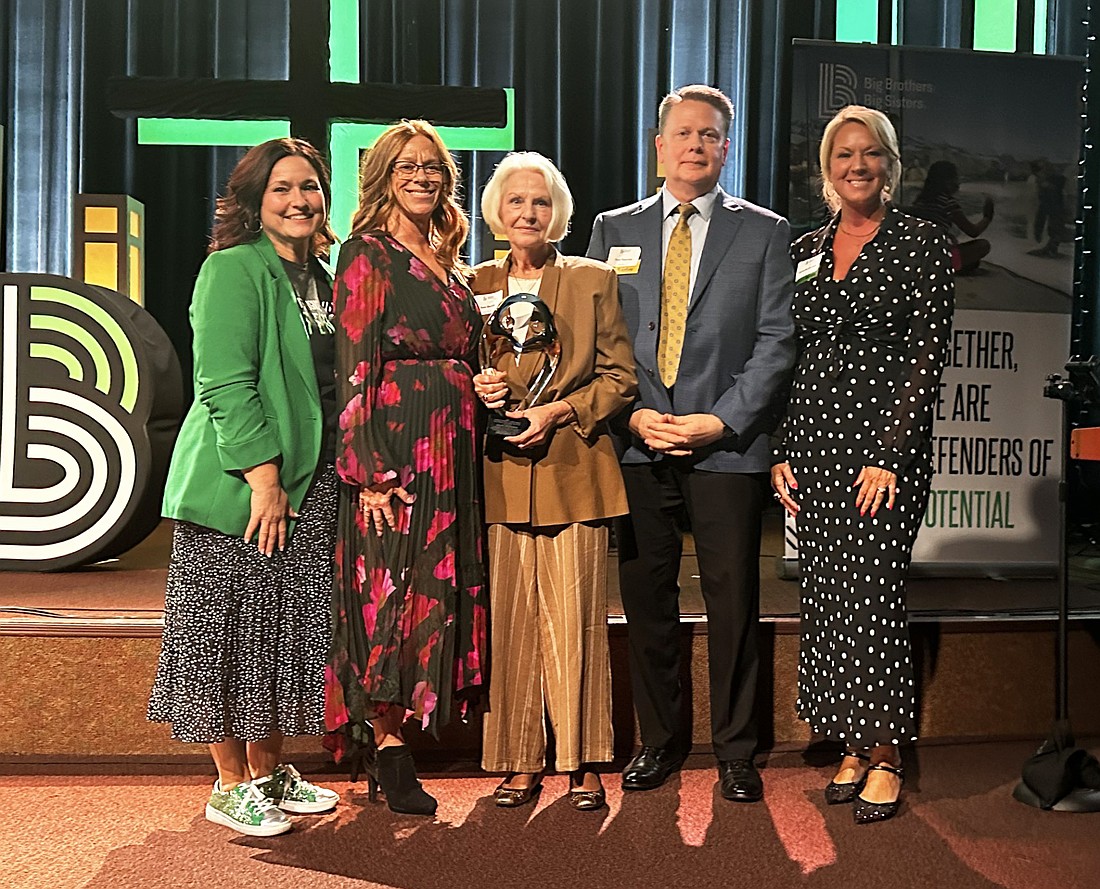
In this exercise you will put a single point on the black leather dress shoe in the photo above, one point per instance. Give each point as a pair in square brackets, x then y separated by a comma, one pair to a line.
[740, 781]
[651, 767]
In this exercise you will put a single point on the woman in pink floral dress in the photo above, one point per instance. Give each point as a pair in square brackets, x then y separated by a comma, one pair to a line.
[410, 604]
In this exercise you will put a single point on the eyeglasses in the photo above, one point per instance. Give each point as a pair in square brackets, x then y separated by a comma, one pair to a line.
[407, 169]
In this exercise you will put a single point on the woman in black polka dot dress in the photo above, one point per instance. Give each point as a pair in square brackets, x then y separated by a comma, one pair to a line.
[873, 307]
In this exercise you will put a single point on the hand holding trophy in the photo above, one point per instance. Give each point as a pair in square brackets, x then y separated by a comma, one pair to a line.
[521, 324]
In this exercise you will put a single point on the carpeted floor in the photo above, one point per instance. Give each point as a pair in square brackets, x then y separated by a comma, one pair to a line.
[958, 828]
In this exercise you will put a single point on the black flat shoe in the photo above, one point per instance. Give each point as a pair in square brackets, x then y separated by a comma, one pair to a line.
[514, 797]
[866, 812]
[739, 781]
[651, 768]
[839, 794]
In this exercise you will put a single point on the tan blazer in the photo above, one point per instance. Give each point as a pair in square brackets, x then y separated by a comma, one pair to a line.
[576, 477]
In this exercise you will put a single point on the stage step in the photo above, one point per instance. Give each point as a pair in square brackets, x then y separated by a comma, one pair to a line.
[76, 692]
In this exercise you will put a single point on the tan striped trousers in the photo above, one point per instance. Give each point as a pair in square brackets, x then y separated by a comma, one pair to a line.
[548, 593]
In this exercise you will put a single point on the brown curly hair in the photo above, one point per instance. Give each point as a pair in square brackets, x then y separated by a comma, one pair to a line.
[377, 202]
[237, 215]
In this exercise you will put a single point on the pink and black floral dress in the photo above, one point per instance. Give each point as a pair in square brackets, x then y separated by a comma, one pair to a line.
[410, 607]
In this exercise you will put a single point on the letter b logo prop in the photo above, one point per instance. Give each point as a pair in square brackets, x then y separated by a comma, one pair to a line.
[90, 403]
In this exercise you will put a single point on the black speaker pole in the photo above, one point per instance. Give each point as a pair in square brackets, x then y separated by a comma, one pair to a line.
[1061, 776]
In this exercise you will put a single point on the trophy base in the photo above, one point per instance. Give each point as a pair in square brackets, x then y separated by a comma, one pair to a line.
[505, 427]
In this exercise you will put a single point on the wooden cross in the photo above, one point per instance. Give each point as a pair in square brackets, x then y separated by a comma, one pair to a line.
[321, 101]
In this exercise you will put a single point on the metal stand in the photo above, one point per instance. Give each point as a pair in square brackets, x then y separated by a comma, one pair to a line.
[1080, 389]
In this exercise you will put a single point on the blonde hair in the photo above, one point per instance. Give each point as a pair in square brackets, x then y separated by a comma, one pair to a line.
[883, 132]
[561, 199]
[378, 203]
[697, 92]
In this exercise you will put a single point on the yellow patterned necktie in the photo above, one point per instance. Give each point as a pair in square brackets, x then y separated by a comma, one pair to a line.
[675, 291]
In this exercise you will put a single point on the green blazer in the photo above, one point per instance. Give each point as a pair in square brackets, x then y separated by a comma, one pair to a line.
[256, 396]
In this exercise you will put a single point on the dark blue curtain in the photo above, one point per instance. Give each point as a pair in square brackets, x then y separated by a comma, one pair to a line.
[44, 56]
[588, 75]
[178, 185]
[1086, 287]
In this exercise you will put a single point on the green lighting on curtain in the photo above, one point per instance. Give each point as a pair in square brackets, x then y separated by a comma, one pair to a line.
[857, 21]
[185, 131]
[1040, 43]
[346, 140]
[995, 25]
[343, 41]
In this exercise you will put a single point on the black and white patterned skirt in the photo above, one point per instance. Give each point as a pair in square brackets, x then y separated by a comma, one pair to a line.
[246, 637]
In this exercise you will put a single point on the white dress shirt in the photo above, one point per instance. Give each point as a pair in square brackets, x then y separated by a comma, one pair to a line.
[698, 224]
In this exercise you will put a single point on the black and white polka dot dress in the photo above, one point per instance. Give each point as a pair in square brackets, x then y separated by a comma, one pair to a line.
[246, 637]
[871, 350]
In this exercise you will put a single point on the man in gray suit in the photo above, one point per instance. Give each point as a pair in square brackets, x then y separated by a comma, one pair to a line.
[705, 282]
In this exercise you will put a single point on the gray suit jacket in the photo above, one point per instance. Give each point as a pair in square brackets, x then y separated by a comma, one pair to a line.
[739, 346]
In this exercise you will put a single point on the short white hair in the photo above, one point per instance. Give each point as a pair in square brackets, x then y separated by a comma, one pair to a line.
[880, 127]
[561, 200]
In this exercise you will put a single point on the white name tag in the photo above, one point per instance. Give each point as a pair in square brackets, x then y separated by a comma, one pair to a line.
[808, 268]
[625, 260]
[487, 302]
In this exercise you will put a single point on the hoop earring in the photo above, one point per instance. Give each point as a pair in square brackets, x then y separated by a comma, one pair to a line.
[259, 227]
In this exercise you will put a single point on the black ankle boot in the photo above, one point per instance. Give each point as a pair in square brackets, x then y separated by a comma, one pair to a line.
[397, 777]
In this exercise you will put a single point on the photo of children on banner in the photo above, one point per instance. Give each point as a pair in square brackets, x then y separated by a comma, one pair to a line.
[521, 324]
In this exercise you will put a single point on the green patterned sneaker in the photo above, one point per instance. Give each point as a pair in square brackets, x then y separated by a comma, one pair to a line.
[287, 789]
[245, 809]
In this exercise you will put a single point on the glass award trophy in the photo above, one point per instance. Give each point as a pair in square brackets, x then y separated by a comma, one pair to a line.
[521, 324]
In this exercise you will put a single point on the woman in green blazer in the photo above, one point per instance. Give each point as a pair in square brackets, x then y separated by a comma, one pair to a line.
[253, 492]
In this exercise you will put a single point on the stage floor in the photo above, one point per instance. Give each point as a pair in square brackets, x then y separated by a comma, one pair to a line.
[129, 590]
[53, 626]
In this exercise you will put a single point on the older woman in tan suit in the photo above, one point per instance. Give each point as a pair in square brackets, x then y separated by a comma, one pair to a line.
[550, 492]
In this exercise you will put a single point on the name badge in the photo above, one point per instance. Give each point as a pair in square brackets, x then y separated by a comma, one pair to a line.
[625, 260]
[487, 303]
[808, 268]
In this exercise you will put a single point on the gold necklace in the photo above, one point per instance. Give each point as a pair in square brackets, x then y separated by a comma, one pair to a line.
[867, 234]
